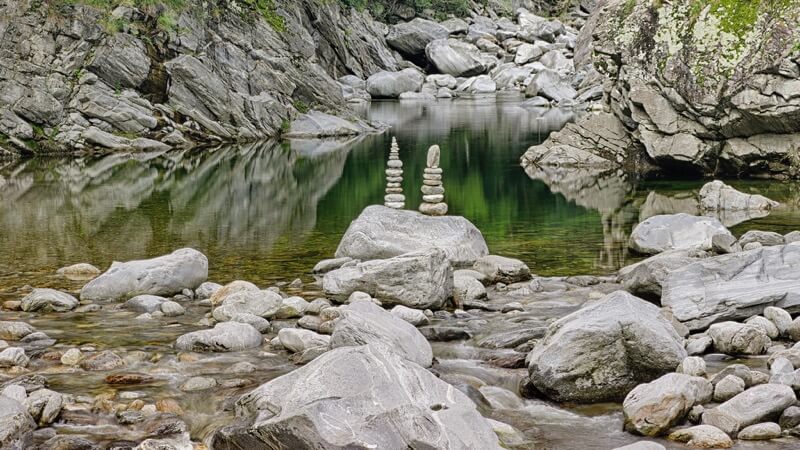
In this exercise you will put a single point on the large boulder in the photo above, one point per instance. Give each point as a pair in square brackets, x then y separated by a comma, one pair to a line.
[675, 231]
[418, 280]
[653, 408]
[456, 58]
[602, 351]
[48, 300]
[357, 397]
[363, 323]
[499, 269]
[258, 303]
[718, 196]
[224, 337]
[165, 276]
[385, 84]
[15, 422]
[755, 405]
[735, 286]
[380, 232]
[736, 338]
[411, 38]
[550, 85]
[645, 278]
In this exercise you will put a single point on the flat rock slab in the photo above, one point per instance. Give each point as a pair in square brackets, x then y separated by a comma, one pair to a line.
[675, 231]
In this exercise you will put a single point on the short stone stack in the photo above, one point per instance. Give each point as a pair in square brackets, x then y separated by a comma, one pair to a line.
[394, 197]
[432, 190]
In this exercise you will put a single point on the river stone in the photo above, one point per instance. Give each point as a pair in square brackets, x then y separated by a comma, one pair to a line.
[602, 351]
[224, 337]
[699, 345]
[642, 445]
[411, 38]
[674, 231]
[206, 290]
[105, 360]
[760, 432]
[165, 275]
[734, 286]
[765, 324]
[692, 365]
[364, 323]
[15, 421]
[751, 406]
[499, 269]
[736, 338]
[44, 406]
[172, 309]
[298, 340]
[386, 84]
[198, 384]
[48, 300]
[80, 271]
[357, 397]
[718, 196]
[779, 317]
[727, 388]
[259, 323]
[258, 303]
[71, 357]
[231, 288]
[413, 316]
[419, 280]
[653, 408]
[14, 331]
[456, 58]
[13, 356]
[765, 238]
[144, 303]
[381, 232]
[467, 289]
[790, 417]
[645, 278]
[702, 436]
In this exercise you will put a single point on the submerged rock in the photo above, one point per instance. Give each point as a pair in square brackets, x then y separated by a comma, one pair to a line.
[602, 351]
[48, 300]
[381, 232]
[365, 396]
[224, 337]
[165, 275]
[675, 231]
[14, 331]
[15, 421]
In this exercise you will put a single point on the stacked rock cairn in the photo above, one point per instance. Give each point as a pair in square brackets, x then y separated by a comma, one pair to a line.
[394, 197]
[432, 190]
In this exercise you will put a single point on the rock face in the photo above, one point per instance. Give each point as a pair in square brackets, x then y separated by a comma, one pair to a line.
[224, 337]
[363, 323]
[652, 408]
[700, 91]
[456, 58]
[751, 406]
[362, 397]
[418, 280]
[602, 351]
[736, 286]
[411, 38]
[165, 275]
[48, 300]
[380, 232]
[391, 84]
[718, 196]
[675, 232]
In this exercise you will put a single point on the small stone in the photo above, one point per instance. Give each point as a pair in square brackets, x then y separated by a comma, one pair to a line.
[431, 182]
[242, 367]
[702, 436]
[394, 198]
[692, 365]
[727, 388]
[106, 360]
[433, 170]
[779, 317]
[168, 405]
[432, 177]
[434, 153]
[172, 309]
[433, 209]
[432, 198]
[760, 432]
[394, 164]
[198, 384]
[790, 418]
[13, 356]
[513, 306]
[432, 190]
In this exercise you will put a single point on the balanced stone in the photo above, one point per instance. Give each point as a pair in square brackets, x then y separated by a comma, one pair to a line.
[394, 190]
[433, 171]
[432, 190]
[394, 179]
[394, 172]
[433, 156]
[394, 197]
[433, 198]
[433, 209]
[431, 176]
[431, 182]
[394, 163]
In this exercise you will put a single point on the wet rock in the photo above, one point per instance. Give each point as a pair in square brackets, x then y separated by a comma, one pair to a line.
[779, 317]
[727, 388]
[365, 323]
[13, 356]
[15, 421]
[735, 338]
[437, 333]
[105, 360]
[165, 275]
[674, 231]
[466, 289]
[172, 309]
[15, 392]
[206, 290]
[642, 445]
[144, 303]
[734, 286]
[224, 337]
[128, 378]
[751, 406]
[258, 303]
[383, 406]
[48, 300]
[718, 196]
[646, 278]
[765, 238]
[413, 316]
[651, 409]
[181, 442]
[292, 307]
[456, 58]
[316, 124]
[326, 265]
[512, 338]
[44, 406]
[386, 84]
[381, 232]
[760, 432]
[411, 38]
[693, 365]
[259, 323]
[231, 288]
[418, 280]
[625, 336]
[499, 269]
[702, 436]
[198, 384]
[298, 340]
[68, 442]
[14, 331]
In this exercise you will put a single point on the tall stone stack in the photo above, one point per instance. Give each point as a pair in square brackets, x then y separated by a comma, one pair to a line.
[394, 197]
[432, 190]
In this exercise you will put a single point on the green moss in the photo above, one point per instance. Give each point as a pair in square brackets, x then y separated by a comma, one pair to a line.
[384, 9]
[267, 10]
[301, 106]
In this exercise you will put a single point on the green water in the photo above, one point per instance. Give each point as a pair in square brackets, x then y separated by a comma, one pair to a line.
[269, 212]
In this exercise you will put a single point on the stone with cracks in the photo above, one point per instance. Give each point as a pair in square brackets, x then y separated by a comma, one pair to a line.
[674, 231]
[653, 408]
[224, 337]
[751, 406]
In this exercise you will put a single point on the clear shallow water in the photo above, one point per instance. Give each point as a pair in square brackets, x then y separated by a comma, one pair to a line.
[268, 212]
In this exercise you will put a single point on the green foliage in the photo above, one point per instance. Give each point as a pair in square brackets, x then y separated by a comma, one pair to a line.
[385, 9]
[267, 10]
[300, 106]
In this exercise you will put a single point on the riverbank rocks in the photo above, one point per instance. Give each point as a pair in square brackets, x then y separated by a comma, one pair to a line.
[48, 300]
[456, 58]
[411, 38]
[674, 231]
[754, 405]
[13, 356]
[499, 269]
[653, 408]
[736, 338]
[80, 271]
[365, 396]
[224, 337]
[165, 275]
[15, 421]
[419, 280]
[432, 190]
[645, 278]
[380, 232]
[718, 196]
[258, 303]
[298, 340]
[364, 323]
[735, 286]
[702, 436]
[386, 84]
[602, 351]
[144, 303]
[14, 331]
[760, 432]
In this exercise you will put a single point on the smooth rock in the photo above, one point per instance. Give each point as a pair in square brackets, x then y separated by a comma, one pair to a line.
[674, 231]
[718, 196]
[751, 406]
[727, 388]
[499, 269]
[48, 300]
[224, 337]
[760, 432]
[298, 340]
[735, 338]
[651, 409]
[264, 304]
[702, 436]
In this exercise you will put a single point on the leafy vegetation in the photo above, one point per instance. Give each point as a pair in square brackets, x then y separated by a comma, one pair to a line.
[385, 10]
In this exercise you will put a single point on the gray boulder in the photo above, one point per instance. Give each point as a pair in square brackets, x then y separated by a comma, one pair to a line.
[418, 280]
[736, 338]
[44, 406]
[550, 85]
[411, 38]
[456, 58]
[13, 356]
[764, 238]
[702, 436]
[602, 351]
[224, 337]
[357, 397]
[653, 408]
[258, 303]
[386, 84]
[366, 323]
[165, 275]
[645, 278]
[121, 61]
[735, 286]
[48, 300]
[499, 269]
[467, 289]
[144, 303]
[674, 231]
[14, 331]
[15, 421]
[380, 232]
[718, 196]
[298, 340]
[760, 432]
[754, 405]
